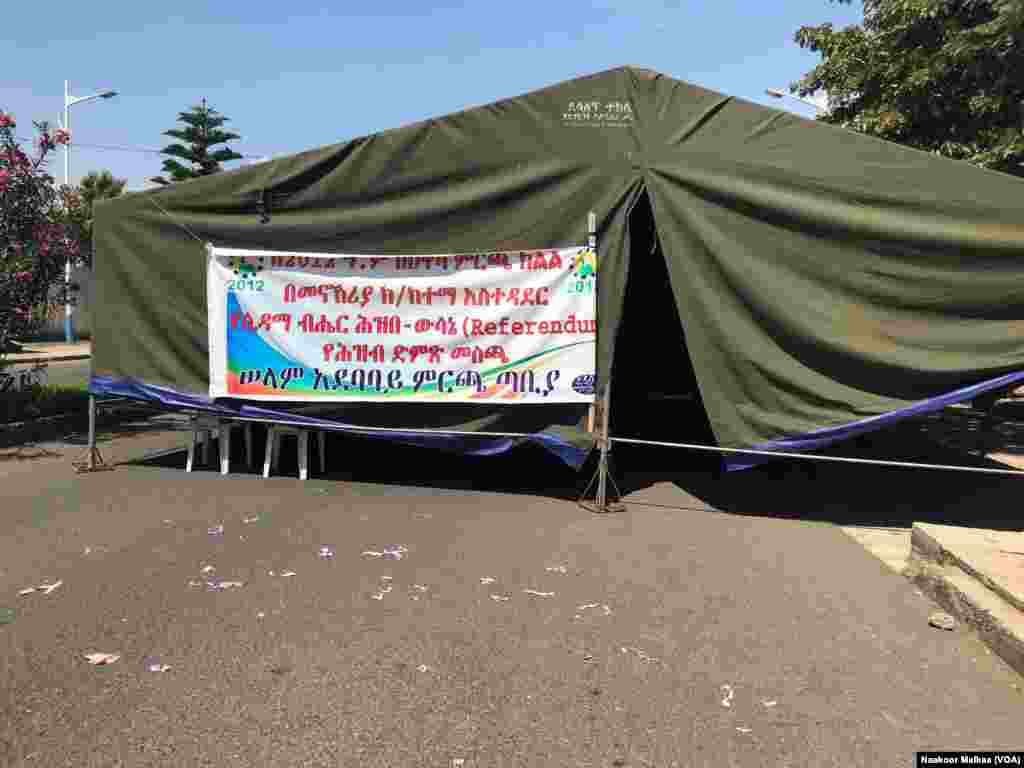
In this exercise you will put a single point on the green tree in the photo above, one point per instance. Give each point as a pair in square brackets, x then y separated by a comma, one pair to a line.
[78, 202]
[99, 185]
[945, 76]
[34, 238]
[203, 131]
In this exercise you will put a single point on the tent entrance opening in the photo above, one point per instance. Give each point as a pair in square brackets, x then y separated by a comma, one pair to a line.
[654, 388]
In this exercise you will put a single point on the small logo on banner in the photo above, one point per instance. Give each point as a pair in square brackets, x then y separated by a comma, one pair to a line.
[246, 269]
[244, 266]
[584, 383]
[584, 266]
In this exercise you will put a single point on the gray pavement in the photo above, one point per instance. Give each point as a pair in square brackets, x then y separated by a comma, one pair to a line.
[760, 635]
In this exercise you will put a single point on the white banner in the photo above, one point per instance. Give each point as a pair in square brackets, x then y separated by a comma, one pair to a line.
[514, 327]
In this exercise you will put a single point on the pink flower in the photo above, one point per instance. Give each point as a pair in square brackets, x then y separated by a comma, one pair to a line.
[6, 121]
[23, 275]
[4, 177]
[62, 137]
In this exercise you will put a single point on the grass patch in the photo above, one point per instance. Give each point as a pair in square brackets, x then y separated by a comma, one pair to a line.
[39, 402]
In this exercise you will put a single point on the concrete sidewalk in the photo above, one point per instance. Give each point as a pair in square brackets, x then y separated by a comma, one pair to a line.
[50, 352]
[977, 575]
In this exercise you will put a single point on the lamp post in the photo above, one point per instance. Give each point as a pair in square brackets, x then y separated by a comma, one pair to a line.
[777, 94]
[69, 102]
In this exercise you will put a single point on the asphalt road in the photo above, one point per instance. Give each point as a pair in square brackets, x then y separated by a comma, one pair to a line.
[761, 635]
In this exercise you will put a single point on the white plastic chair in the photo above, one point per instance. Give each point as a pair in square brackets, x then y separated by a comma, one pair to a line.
[272, 460]
[205, 428]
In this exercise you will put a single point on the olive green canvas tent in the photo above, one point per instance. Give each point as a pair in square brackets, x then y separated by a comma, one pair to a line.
[820, 282]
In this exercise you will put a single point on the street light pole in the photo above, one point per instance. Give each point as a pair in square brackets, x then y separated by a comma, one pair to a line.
[69, 101]
[777, 94]
[69, 333]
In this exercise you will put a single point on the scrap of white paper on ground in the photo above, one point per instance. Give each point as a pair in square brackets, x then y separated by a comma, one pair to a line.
[557, 569]
[390, 552]
[729, 693]
[44, 588]
[537, 593]
[500, 598]
[326, 553]
[248, 520]
[98, 659]
[220, 586]
[487, 579]
[379, 595]
[637, 652]
[216, 530]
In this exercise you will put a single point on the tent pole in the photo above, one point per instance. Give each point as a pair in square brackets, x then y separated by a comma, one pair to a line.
[592, 245]
[602, 467]
[603, 443]
[93, 461]
[92, 432]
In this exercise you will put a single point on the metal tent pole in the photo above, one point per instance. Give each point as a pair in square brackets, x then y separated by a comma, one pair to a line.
[92, 461]
[92, 432]
[602, 466]
[603, 474]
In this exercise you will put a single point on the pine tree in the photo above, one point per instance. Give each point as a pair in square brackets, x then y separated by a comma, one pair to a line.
[201, 132]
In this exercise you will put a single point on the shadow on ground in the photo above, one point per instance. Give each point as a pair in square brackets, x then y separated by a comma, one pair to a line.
[844, 494]
[138, 422]
[526, 469]
[869, 495]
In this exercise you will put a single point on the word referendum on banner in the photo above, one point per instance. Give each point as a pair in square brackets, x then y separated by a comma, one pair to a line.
[516, 327]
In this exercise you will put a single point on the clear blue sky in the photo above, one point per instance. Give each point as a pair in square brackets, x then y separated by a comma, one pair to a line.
[297, 74]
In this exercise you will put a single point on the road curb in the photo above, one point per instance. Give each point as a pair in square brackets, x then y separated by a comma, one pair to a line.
[964, 592]
[10, 361]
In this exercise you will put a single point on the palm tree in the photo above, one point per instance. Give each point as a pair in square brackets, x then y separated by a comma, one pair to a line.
[99, 185]
[96, 185]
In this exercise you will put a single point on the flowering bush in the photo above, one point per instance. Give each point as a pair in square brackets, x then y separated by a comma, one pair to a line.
[35, 238]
